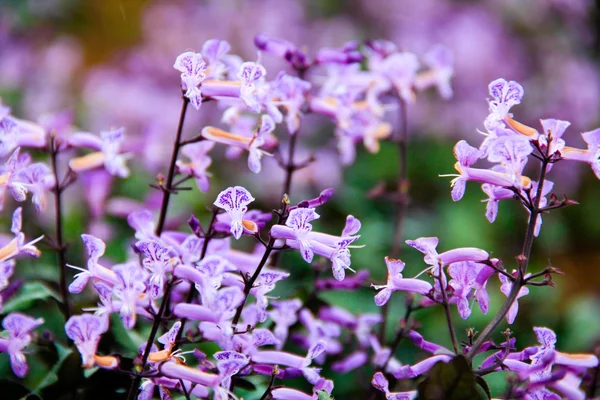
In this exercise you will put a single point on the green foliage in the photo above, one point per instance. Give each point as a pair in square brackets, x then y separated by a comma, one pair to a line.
[28, 295]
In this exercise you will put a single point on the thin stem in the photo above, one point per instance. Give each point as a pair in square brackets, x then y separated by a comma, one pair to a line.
[523, 260]
[133, 389]
[447, 311]
[190, 294]
[401, 201]
[58, 241]
[185, 392]
[250, 283]
[168, 187]
[268, 391]
[159, 229]
[290, 167]
[401, 334]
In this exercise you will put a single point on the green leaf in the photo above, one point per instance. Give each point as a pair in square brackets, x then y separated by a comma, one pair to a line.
[483, 385]
[128, 339]
[52, 375]
[29, 294]
[450, 381]
[323, 395]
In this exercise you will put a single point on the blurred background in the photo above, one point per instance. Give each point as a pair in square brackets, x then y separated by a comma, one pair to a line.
[109, 63]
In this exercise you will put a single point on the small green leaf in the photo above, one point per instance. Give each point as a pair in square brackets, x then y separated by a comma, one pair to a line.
[30, 293]
[323, 395]
[451, 381]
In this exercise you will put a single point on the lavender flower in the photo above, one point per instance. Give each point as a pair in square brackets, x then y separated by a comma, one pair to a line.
[85, 331]
[108, 152]
[234, 201]
[198, 164]
[19, 327]
[253, 144]
[17, 245]
[298, 234]
[192, 68]
[397, 282]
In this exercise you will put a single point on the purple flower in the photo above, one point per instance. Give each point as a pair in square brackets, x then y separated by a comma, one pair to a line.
[441, 68]
[108, 152]
[192, 68]
[412, 371]
[395, 281]
[85, 331]
[401, 70]
[504, 96]
[158, 260]
[131, 284]
[264, 284]
[427, 246]
[590, 156]
[298, 234]
[350, 363]
[495, 194]
[464, 280]
[510, 149]
[235, 200]
[252, 144]
[292, 360]
[95, 249]
[380, 383]
[284, 314]
[19, 327]
[6, 271]
[505, 288]
[18, 133]
[22, 177]
[290, 93]
[252, 75]
[198, 164]
[215, 52]
[553, 131]
[229, 363]
[17, 245]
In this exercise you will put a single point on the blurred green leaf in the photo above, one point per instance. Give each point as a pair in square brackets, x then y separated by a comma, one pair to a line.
[30, 293]
[52, 375]
[451, 381]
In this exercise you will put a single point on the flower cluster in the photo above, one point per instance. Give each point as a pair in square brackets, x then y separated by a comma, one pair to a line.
[220, 282]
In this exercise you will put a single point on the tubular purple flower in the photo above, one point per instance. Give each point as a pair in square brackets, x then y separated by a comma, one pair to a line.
[198, 164]
[505, 288]
[401, 69]
[179, 371]
[395, 282]
[108, 152]
[440, 61]
[350, 363]
[95, 249]
[409, 372]
[379, 382]
[430, 347]
[131, 285]
[17, 245]
[251, 144]
[590, 156]
[427, 246]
